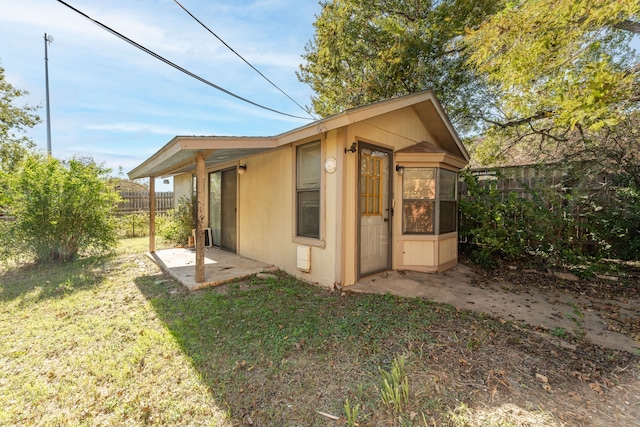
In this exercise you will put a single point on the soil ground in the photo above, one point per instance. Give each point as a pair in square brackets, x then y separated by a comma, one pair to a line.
[585, 334]
[606, 311]
[603, 310]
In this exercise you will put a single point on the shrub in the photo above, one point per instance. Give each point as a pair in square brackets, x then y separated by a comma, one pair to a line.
[557, 225]
[497, 225]
[61, 209]
[616, 222]
[168, 228]
[177, 226]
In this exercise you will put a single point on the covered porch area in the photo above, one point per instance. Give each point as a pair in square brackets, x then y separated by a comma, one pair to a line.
[220, 266]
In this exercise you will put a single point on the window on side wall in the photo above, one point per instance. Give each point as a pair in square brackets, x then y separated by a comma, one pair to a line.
[308, 173]
[448, 201]
[429, 204]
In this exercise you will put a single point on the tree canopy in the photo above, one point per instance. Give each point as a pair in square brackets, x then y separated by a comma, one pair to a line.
[14, 120]
[367, 50]
[561, 70]
[537, 73]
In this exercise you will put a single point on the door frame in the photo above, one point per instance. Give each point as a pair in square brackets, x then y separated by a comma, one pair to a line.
[222, 172]
[388, 208]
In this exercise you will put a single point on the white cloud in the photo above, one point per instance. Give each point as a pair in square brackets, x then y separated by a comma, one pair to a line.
[135, 128]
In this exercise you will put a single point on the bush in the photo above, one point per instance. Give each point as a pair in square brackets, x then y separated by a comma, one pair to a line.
[177, 226]
[616, 222]
[61, 209]
[168, 228]
[556, 225]
[497, 225]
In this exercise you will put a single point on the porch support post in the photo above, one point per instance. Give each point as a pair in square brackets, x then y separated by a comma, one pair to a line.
[200, 184]
[152, 214]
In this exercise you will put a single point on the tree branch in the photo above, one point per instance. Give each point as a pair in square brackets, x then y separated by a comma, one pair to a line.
[518, 122]
[628, 25]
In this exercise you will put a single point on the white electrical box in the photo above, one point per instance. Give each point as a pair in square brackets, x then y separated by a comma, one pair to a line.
[303, 260]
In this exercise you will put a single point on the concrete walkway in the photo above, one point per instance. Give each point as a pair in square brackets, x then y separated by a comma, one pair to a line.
[219, 266]
[548, 311]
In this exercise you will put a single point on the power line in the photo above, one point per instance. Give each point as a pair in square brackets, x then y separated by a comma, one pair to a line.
[176, 66]
[245, 61]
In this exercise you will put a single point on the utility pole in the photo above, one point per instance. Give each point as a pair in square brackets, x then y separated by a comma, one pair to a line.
[47, 39]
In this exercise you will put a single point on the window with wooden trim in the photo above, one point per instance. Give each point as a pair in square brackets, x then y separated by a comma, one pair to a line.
[429, 201]
[371, 185]
[308, 175]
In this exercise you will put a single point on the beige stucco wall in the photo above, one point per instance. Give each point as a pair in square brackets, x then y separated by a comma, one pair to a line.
[398, 129]
[181, 187]
[266, 213]
[266, 205]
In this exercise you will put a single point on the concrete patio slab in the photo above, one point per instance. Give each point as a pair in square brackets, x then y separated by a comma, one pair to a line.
[219, 266]
[549, 312]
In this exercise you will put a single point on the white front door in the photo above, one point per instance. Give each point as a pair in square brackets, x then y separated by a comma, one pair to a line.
[374, 209]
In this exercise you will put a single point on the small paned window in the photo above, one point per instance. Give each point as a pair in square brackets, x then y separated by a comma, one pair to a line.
[308, 174]
[371, 185]
[418, 200]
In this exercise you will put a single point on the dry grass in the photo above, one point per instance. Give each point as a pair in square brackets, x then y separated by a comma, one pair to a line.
[81, 345]
[115, 342]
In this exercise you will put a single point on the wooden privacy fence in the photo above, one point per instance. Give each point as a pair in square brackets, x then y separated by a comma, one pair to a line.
[138, 202]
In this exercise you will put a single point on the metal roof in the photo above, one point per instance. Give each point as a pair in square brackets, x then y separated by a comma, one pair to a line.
[178, 155]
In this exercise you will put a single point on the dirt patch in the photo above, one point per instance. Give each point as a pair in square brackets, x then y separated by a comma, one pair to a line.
[540, 366]
[614, 298]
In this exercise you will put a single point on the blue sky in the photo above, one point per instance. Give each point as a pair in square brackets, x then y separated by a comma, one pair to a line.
[119, 105]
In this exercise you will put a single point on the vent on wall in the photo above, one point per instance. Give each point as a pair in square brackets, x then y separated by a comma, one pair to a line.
[303, 259]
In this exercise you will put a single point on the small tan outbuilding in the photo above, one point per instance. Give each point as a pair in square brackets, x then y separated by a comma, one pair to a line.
[365, 191]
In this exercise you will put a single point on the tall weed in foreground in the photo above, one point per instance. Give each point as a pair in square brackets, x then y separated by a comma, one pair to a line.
[351, 413]
[394, 385]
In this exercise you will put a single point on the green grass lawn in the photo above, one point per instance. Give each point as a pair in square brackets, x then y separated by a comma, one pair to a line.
[113, 341]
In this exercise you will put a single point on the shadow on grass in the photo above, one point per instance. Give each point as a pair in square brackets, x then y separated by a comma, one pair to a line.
[38, 282]
[275, 351]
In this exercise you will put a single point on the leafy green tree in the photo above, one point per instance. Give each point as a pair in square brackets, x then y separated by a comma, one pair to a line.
[13, 121]
[61, 209]
[368, 50]
[562, 71]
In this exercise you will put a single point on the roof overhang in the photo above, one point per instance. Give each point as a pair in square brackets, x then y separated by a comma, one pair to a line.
[178, 155]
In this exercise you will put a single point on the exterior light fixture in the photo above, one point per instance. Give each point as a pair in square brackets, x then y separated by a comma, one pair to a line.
[352, 149]
[242, 169]
[400, 169]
